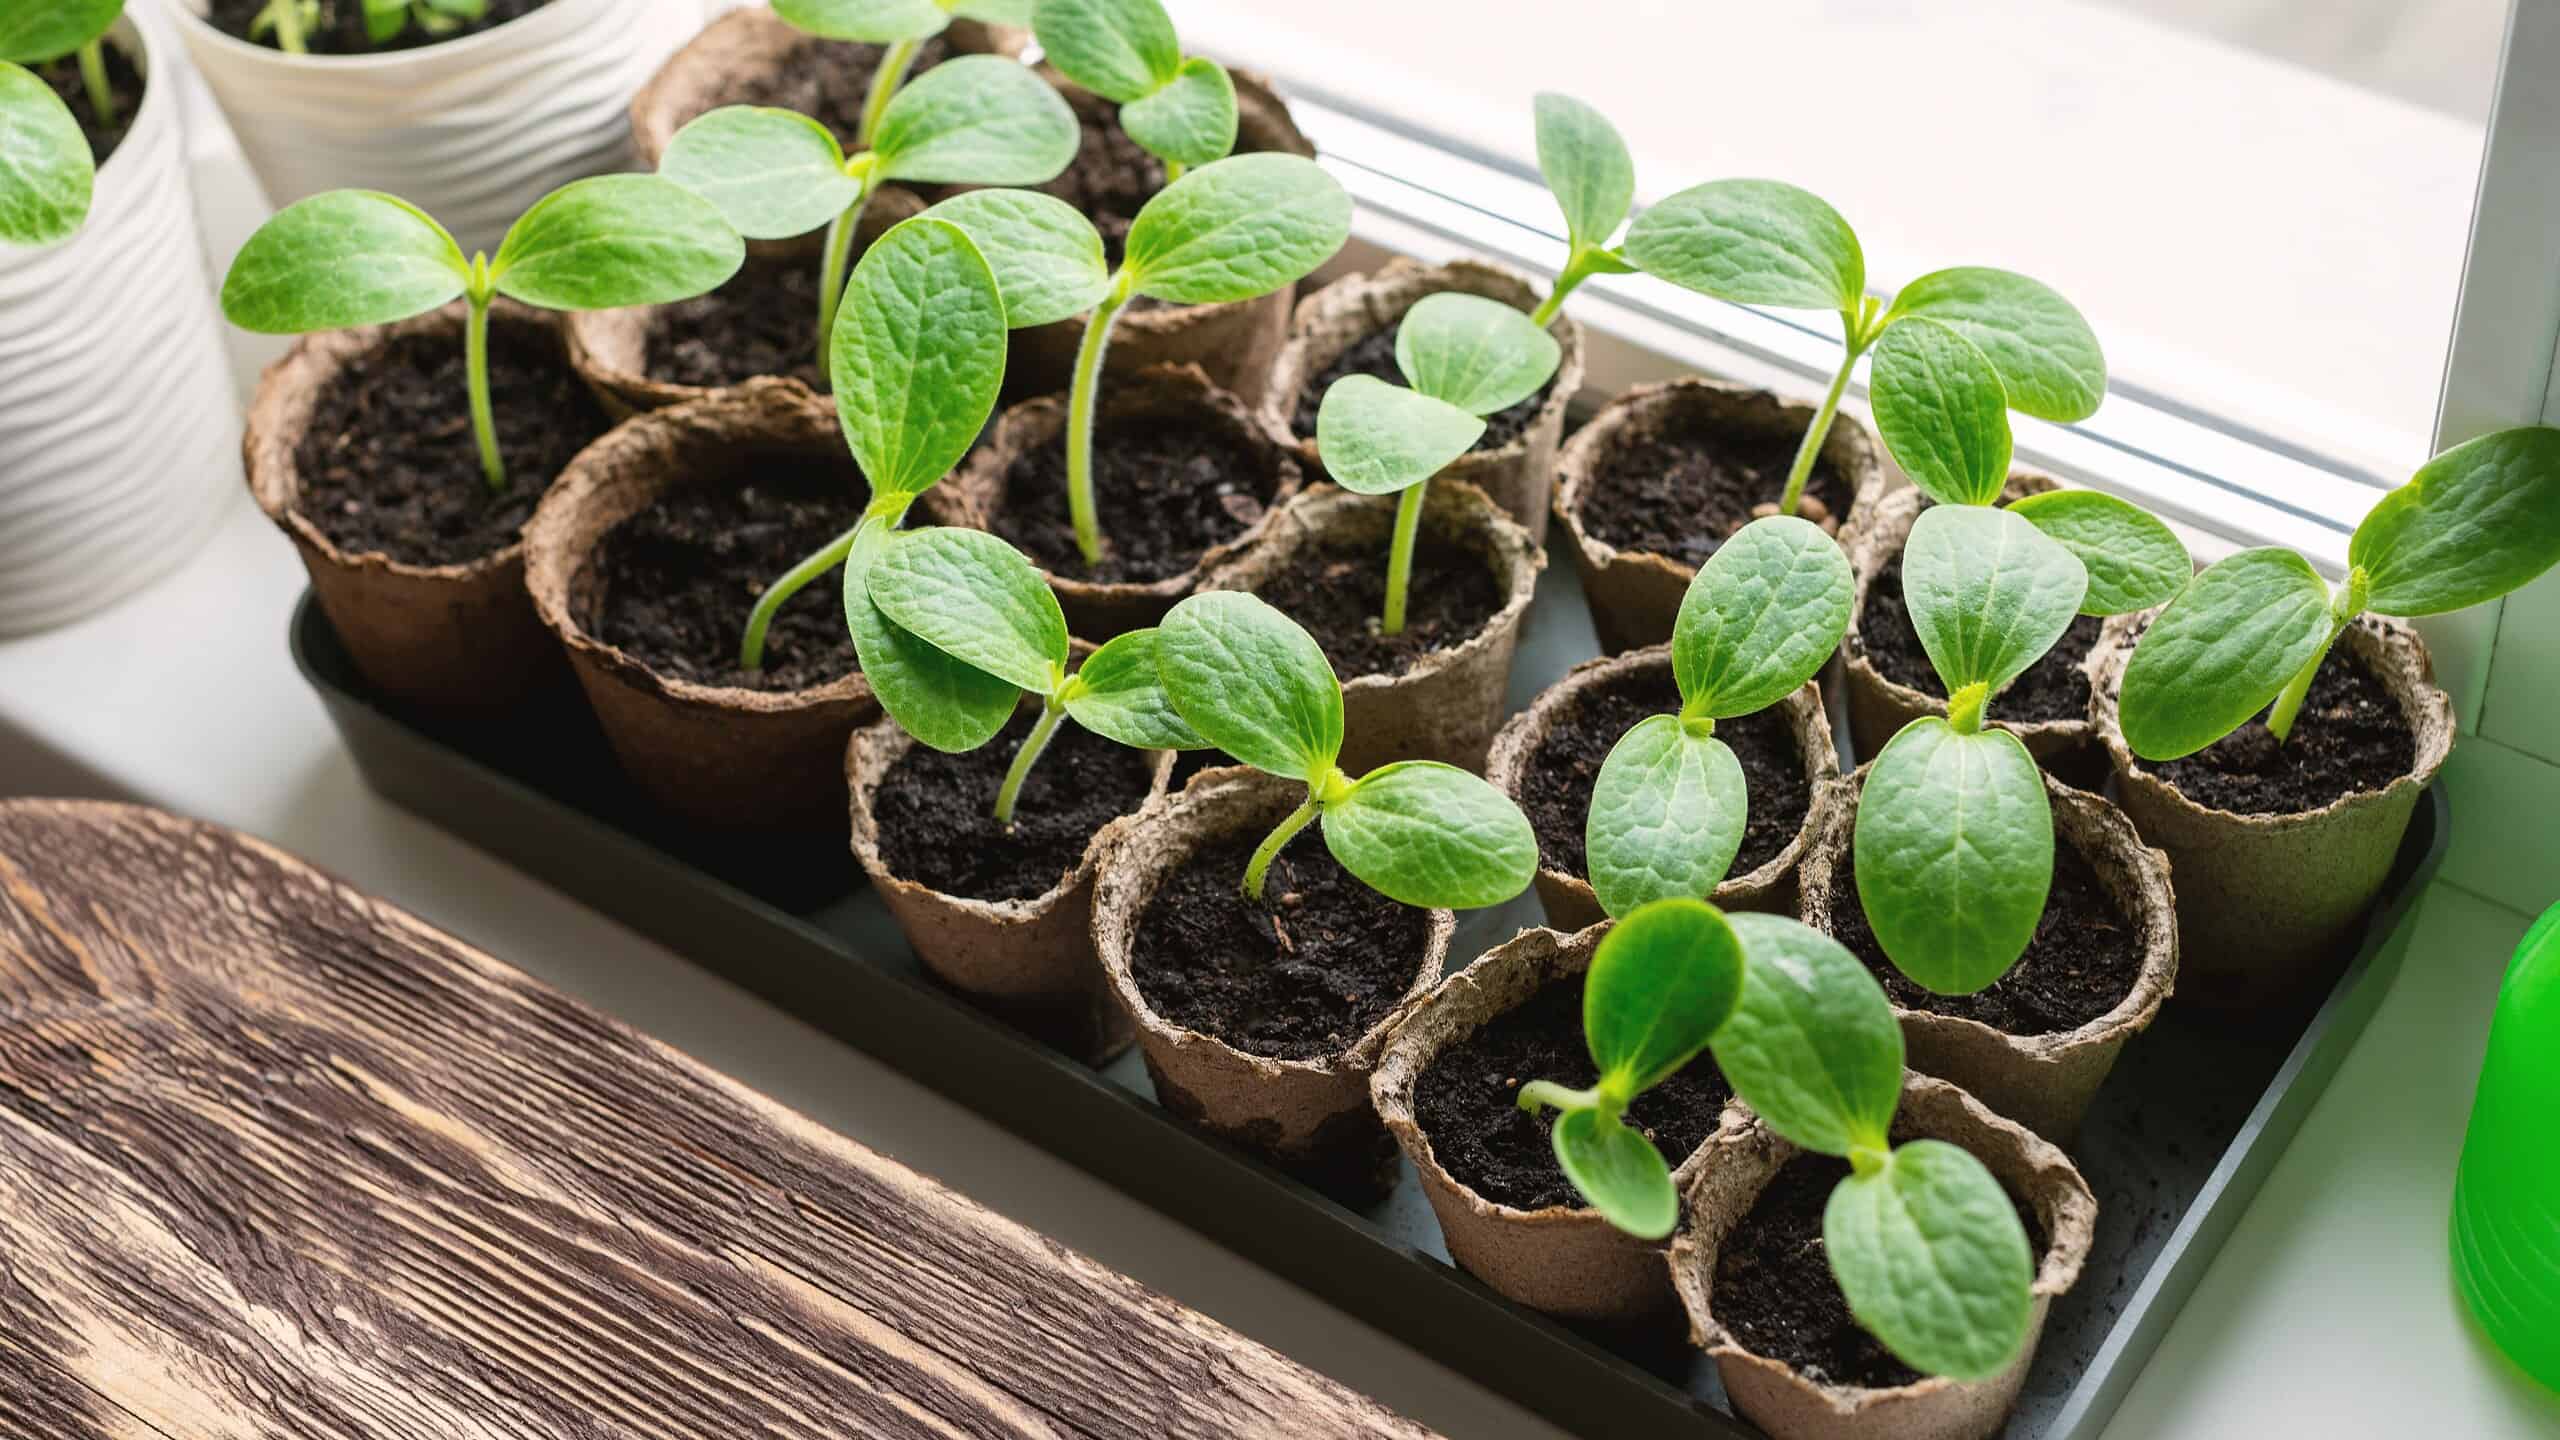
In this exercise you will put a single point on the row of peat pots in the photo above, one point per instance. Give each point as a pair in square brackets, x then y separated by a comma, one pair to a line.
[670, 463]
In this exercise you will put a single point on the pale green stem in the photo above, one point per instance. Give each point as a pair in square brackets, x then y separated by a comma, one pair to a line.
[1081, 402]
[1561, 1097]
[288, 17]
[93, 74]
[1400, 556]
[1811, 448]
[2288, 704]
[1259, 866]
[838, 262]
[793, 581]
[884, 87]
[475, 359]
[1026, 757]
[1576, 270]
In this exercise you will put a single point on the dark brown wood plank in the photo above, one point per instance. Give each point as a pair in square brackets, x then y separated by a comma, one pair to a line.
[277, 1159]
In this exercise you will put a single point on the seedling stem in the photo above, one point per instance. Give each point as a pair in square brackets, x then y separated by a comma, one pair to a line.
[484, 421]
[1051, 712]
[884, 87]
[887, 510]
[1400, 556]
[1859, 329]
[1081, 401]
[93, 74]
[839, 259]
[1584, 264]
[1259, 867]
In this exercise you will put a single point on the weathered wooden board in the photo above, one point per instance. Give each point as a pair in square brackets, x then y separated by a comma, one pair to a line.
[278, 1160]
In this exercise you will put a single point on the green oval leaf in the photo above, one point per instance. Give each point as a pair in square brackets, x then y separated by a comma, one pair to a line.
[615, 240]
[944, 703]
[1662, 981]
[1586, 166]
[1761, 617]
[1121, 50]
[771, 174]
[34, 31]
[1933, 1261]
[1618, 1171]
[1988, 592]
[341, 259]
[2474, 523]
[1477, 354]
[918, 354]
[1241, 227]
[1191, 121]
[1432, 835]
[1755, 242]
[1119, 695]
[1954, 848]
[2221, 651]
[974, 598]
[978, 120]
[1812, 1044]
[1377, 438]
[1667, 815]
[872, 22]
[1941, 412]
[1013, 13]
[2133, 559]
[1047, 257]
[1254, 682]
[2045, 354]
[46, 173]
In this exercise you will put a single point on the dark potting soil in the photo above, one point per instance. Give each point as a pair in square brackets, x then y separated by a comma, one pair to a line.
[1339, 594]
[763, 322]
[1467, 1102]
[1165, 492]
[2083, 961]
[2053, 688]
[676, 582]
[1556, 787]
[1298, 977]
[827, 80]
[341, 30]
[1684, 496]
[1775, 1292]
[389, 462]
[2350, 736]
[937, 812]
[124, 84]
[1375, 354]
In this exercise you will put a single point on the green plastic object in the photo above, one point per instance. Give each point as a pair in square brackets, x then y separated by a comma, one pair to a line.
[2506, 1193]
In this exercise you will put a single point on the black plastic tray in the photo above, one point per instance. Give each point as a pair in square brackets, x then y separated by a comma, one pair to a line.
[2184, 1132]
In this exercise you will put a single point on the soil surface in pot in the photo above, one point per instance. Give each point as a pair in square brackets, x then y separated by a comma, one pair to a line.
[2053, 688]
[341, 30]
[674, 584]
[1298, 977]
[389, 463]
[1338, 595]
[1375, 354]
[827, 80]
[1165, 490]
[937, 812]
[763, 322]
[1774, 1288]
[2350, 736]
[1555, 789]
[1468, 1101]
[2083, 961]
[1684, 495]
[124, 83]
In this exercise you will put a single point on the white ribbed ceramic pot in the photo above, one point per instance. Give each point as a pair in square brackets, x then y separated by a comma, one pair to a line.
[119, 430]
[473, 130]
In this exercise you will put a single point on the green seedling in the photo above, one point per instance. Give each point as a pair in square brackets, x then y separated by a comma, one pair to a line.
[47, 175]
[1587, 168]
[2249, 634]
[1921, 1238]
[384, 20]
[977, 120]
[1257, 686]
[38, 32]
[1465, 357]
[901, 26]
[1179, 108]
[1760, 618]
[360, 257]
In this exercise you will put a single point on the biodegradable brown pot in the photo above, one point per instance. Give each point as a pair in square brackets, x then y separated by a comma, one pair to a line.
[2044, 1082]
[1741, 1160]
[1447, 704]
[1569, 901]
[1029, 962]
[1565, 1259]
[456, 637]
[1635, 595]
[1312, 1116]
[1234, 344]
[1520, 475]
[2266, 901]
[1099, 610]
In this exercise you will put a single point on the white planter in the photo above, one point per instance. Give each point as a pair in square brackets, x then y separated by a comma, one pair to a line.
[473, 130]
[119, 431]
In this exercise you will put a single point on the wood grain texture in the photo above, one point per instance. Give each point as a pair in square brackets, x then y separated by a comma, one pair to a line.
[278, 1160]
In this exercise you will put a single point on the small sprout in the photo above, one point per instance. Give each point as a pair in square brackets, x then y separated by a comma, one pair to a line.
[1258, 687]
[1760, 618]
[290, 22]
[359, 257]
[774, 174]
[384, 20]
[1586, 166]
[1921, 1238]
[47, 174]
[902, 26]
[1180, 109]
[1466, 357]
[2474, 523]
[38, 33]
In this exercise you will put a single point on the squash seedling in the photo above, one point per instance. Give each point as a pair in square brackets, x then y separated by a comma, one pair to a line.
[47, 175]
[38, 34]
[1465, 357]
[385, 20]
[1256, 685]
[1921, 1238]
[2249, 634]
[774, 174]
[1669, 806]
[900, 26]
[1179, 108]
[1587, 168]
[359, 257]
